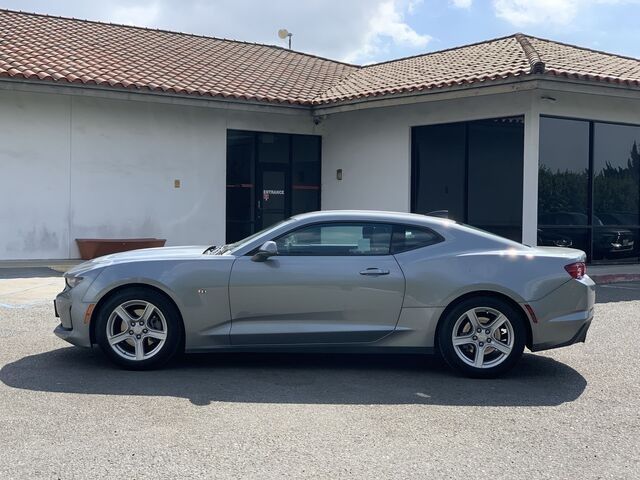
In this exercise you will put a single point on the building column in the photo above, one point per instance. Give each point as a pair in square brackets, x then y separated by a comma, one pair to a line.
[530, 172]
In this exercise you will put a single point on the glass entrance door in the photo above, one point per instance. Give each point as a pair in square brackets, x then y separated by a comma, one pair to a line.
[270, 176]
[273, 204]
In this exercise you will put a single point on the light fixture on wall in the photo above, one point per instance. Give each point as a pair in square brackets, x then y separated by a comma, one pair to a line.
[339, 174]
[547, 97]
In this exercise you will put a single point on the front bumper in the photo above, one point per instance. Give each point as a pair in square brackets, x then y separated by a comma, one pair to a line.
[71, 312]
[564, 316]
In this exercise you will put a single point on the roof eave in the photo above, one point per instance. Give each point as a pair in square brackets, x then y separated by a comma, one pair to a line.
[218, 101]
[508, 85]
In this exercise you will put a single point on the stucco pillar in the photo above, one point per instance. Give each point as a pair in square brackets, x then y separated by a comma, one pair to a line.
[530, 172]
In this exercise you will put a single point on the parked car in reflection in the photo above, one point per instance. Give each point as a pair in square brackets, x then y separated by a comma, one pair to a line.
[609, 241]
[552, 239]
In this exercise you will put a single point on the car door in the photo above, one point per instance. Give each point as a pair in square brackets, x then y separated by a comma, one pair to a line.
[330, 283]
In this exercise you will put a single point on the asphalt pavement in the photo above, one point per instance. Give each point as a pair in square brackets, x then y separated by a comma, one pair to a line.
[571, 413]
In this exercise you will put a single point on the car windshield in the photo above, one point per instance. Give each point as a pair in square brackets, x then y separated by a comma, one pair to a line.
[240, 243]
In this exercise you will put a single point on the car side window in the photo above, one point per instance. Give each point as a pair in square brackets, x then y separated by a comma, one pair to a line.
[409, 237]
[337, 239]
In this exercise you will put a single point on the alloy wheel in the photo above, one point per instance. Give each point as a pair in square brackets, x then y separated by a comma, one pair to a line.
[483, 337]
[136, 330]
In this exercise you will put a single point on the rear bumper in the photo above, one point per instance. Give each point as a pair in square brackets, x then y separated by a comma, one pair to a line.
[564, 316]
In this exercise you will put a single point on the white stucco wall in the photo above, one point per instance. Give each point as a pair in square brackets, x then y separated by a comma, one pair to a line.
[605, 107]
[77, 166]
[34, 173]
[85, 167]
[373, 147]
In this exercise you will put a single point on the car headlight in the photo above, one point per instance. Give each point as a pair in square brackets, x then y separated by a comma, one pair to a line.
[72, 281]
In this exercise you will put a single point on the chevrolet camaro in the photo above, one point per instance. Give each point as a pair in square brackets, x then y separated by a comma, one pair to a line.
[341, 281]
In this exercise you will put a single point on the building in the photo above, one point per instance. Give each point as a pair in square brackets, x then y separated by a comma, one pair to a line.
[111, 131]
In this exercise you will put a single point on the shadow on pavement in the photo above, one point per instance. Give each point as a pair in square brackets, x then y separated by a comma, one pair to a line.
[28, 272]
[618, 292]
[299, 378]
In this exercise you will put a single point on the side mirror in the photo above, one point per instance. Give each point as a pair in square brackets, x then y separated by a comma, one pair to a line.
[268, 249]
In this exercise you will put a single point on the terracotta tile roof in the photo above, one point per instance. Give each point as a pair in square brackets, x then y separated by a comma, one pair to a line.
[42, 47]
[571, 61]
[63, 50]
[491, 60]
[514, 56]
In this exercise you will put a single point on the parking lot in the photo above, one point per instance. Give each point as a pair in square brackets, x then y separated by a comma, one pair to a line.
[67, 413]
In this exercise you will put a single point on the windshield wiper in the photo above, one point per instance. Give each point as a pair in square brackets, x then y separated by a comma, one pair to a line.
[215, 250]
[211, 250]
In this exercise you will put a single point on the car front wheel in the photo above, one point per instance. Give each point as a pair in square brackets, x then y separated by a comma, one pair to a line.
[482, 337]
[139, 329]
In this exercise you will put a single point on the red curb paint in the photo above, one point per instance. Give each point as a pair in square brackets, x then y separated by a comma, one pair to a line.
[615, 278]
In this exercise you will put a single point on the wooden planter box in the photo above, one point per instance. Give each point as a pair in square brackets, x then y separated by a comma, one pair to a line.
[97, 247]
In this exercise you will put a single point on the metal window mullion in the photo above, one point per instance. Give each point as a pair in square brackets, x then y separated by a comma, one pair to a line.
[414, 170]
[590, 194]
[466, 172]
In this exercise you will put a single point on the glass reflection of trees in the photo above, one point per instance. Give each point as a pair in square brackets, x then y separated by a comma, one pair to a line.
[617, 191]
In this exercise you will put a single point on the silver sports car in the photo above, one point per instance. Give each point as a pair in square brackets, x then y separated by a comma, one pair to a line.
[342, 281]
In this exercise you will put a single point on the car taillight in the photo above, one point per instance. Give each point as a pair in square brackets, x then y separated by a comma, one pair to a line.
[577, 270]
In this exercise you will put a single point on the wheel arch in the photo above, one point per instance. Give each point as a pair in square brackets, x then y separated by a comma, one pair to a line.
[486, 293]
[110, 293]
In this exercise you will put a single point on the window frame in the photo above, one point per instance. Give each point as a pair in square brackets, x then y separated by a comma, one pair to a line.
[590, 227]
[394, 227]
[437, 237]
[341, 222]
[468, 154]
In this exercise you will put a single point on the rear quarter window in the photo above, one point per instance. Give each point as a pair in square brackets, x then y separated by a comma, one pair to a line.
[409, 237]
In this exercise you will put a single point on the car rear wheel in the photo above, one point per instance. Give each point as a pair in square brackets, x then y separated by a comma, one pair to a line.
[139, 329]
[482, 337]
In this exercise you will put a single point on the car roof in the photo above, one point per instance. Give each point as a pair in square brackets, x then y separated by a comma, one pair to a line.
[373, 215]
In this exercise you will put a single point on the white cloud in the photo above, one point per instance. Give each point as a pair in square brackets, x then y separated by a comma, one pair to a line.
[523, 13]
[355, 30]
[530, 12]
[387, 24]
[461, 3]
[138, 15]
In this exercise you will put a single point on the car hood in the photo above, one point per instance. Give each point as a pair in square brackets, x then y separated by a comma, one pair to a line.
[145, 254]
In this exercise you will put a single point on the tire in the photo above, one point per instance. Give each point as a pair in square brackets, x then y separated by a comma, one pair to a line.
[487, 353]
[152, 334]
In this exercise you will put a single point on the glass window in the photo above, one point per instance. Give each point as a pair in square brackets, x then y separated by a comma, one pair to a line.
[270, 176]
[608, 227]
[613, 243]
[409, 237]
[495, 176]
[305, 182]
[240, 184]
[473, 170]
[616, 191]
[616, 174]
[563, 175]
[439, 169]
[273, 148]
[337, 239]
[563, 183]
[564, 237]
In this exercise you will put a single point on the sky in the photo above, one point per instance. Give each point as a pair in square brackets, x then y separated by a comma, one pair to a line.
[369, 31]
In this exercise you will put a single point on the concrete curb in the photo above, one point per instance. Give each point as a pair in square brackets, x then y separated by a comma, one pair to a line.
[604, 279]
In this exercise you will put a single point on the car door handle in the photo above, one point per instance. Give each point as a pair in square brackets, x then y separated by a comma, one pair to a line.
[373, 271]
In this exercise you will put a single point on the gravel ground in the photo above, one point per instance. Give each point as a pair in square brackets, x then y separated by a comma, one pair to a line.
[570, 413]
